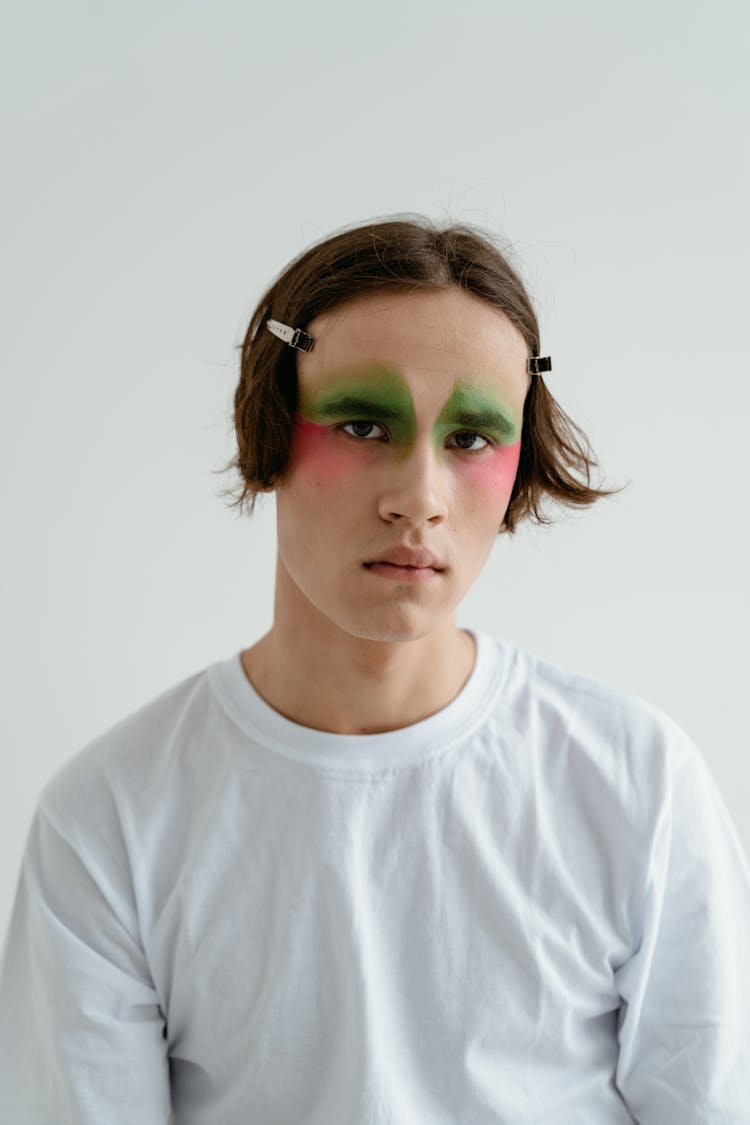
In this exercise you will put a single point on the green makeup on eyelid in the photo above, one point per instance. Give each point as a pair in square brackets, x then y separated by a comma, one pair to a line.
[383, 395]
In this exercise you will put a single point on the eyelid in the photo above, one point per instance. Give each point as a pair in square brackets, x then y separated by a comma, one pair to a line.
[371, 422]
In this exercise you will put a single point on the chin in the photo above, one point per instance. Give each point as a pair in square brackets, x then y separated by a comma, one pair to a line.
[396, 627]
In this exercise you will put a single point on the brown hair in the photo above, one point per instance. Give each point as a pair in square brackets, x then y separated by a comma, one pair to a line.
[408, 254]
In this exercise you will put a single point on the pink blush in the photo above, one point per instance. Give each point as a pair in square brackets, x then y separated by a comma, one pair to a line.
[497, 472]
[321, 452]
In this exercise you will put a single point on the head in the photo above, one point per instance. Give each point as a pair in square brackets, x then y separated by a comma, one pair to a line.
[428, 324]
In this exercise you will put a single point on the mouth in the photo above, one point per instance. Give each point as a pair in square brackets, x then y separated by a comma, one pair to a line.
[402, 566]
[402, 573]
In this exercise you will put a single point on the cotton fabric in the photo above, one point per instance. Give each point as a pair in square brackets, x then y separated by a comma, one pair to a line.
[531, 907]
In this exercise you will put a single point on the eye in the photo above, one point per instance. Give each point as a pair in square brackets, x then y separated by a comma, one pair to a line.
[488, 442]
[357, 437]
[470, 433]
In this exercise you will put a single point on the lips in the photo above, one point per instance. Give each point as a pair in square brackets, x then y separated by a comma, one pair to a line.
[399, 566]
[417, 558]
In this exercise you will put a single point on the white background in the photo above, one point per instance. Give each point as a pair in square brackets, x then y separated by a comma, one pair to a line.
[162, 162]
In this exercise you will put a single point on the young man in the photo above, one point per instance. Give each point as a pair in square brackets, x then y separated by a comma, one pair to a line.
[376, 868]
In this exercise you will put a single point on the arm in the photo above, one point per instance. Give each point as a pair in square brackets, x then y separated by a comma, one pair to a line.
[684, 1026]
[82, 1035]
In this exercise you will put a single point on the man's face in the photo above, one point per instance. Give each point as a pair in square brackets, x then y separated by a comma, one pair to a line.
[409, 470]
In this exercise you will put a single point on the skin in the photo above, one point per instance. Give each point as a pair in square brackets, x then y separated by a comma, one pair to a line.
[350, 652]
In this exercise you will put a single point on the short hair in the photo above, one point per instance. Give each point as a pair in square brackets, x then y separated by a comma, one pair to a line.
[407, 254]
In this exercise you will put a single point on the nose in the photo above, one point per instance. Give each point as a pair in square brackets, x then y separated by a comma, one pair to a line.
[415, 487]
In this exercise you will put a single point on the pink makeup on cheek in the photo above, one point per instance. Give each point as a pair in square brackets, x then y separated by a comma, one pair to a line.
[319, 451]
[496, 472]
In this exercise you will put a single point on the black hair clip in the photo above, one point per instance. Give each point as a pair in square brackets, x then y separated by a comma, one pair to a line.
[298, 339]
[303, 342]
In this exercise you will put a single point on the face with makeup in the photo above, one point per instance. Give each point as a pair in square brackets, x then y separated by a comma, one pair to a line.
[408, 431]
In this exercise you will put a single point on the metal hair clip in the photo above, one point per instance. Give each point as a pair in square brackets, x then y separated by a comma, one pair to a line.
[536, 364]
[298, 339]
[303, 342]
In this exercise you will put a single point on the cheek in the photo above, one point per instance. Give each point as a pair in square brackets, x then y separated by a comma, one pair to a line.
[495, 475]
[320, 453]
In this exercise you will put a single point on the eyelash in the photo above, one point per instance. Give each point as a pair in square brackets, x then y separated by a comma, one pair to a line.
[367, 422]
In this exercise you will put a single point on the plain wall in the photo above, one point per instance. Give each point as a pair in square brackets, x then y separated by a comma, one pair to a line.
[163, 162]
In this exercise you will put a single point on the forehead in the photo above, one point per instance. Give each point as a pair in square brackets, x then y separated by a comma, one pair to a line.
[448, 334]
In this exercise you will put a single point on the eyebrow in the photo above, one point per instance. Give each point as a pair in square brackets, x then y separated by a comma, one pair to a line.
[336, 405]
[486, 419]
[355, 405]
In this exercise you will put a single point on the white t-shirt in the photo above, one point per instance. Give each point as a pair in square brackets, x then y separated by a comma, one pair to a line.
[530, 907]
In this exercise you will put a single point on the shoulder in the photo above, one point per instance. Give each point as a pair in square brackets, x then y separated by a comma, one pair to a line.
[131, 759]
[591, 722]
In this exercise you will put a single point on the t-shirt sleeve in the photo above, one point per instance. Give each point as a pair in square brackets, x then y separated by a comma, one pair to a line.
[684, 1024]
[82, 1034]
